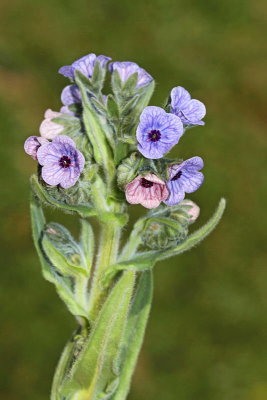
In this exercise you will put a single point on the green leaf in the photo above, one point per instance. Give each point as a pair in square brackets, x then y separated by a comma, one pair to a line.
[63, 285]
[87, 242]
[146, 260]
[134, 334]
[94, 370]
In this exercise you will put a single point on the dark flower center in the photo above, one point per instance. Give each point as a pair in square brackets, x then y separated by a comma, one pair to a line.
[146, 184]
[154, 135]
[177, 176]
[65, 162]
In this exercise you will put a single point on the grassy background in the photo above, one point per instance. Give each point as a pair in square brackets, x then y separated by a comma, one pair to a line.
[207, 336]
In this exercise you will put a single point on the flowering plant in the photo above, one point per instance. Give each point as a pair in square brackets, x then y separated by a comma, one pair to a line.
[96, 156]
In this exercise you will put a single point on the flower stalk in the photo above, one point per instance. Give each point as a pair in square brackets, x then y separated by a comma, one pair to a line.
[100, 154]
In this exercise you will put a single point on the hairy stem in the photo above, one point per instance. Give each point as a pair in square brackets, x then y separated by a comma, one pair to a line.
[107, 255]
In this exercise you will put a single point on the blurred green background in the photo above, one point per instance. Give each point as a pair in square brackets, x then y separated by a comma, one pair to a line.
[207, 335]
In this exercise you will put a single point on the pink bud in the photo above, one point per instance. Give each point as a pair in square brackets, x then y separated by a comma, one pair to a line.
[193, 212]
[48, 128]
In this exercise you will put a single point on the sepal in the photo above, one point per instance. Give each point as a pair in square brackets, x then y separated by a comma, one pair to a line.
[128, 169]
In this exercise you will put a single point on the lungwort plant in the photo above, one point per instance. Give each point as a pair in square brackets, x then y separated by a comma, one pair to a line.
[97, 156]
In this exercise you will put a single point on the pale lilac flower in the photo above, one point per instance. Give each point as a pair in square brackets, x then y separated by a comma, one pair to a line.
[127, 68]
[71, 95]
[184, 178]
[194, 210]
[190, 111]
[32, 144]
[149, 191]
[157, 132]
[49, 129]
[65, 110]
[62, 162]
[85, 65]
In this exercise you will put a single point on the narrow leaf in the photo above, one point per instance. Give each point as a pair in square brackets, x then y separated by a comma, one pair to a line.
[134, 335]
[94, 369]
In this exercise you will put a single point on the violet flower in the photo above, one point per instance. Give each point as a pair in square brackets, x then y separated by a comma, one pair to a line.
[71, 95]
[62, 162]
[149, 191]
[32, 144]
[184, 178]
[190, 111]
[85, 65]
[157, 132]
[127, 68]
[49, 129]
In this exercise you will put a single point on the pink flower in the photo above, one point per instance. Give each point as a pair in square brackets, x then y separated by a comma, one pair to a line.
[148, 191]
[49, 129]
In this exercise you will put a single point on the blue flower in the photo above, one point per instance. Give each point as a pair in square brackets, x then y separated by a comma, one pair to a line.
[184, 178]
[85, 65]
[190, 111]
[157, 132]
[61, 162]
[127, 68]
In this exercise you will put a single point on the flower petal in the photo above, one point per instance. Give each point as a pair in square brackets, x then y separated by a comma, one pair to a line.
[32, 144]
[70, 95]
[63, 139]
[127, 68]
[179, 97]
[47, 153]
[67, 71]
[194, 111]
[176, 194]
[49, 129]
[53, 175]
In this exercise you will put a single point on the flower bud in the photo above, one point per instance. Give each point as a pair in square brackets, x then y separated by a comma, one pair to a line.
[191, 208]
[49, 129]
[163, 233]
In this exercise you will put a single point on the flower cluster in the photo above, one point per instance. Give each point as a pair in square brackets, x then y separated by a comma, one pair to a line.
[156, 132]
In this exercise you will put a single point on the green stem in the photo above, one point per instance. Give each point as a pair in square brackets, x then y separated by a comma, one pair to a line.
[107, 255]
